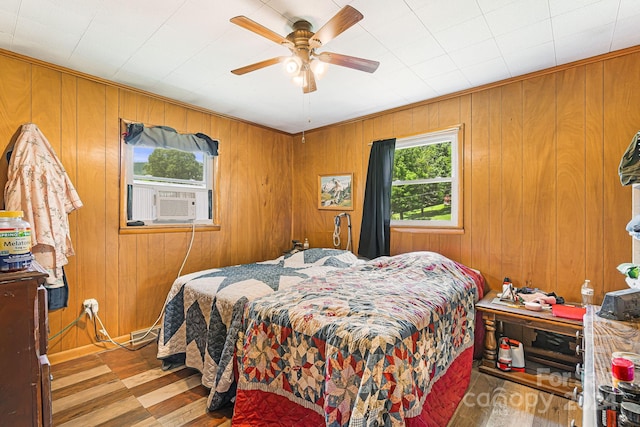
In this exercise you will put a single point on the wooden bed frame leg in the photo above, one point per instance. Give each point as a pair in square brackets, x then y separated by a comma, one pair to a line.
[490, 343]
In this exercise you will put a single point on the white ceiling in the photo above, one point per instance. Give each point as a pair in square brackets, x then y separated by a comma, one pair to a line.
[185, 49]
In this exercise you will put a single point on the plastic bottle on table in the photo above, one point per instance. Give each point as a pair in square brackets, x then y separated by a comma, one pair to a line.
[587, 293]
[15, 242]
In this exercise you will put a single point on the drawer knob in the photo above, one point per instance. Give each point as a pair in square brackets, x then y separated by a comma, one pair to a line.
[577, 396]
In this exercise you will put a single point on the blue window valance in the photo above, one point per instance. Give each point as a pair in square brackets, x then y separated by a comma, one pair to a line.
[166, 137]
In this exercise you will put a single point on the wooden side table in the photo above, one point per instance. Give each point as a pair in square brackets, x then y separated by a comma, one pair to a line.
[545, 369]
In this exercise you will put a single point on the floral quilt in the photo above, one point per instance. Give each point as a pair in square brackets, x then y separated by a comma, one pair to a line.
[358, 346]
[203, 312]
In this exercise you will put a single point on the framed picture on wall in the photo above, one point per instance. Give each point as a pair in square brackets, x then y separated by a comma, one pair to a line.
[335, 192]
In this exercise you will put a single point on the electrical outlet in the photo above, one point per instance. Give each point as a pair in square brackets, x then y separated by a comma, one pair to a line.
[90, 307]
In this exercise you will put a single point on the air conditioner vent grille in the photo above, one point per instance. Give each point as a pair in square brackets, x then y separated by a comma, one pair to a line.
[176, 194]
[176, 205]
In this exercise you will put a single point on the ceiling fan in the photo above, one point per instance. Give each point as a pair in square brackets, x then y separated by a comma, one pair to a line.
[304, 63]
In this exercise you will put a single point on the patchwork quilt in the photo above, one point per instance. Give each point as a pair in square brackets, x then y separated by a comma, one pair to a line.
[203, 312]
[360, 346]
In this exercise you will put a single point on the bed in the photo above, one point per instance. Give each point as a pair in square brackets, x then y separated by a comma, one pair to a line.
[203, 312]
[388, 342]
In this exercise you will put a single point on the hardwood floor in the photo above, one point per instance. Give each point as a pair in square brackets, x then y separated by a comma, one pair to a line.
[129, 388]
[493, 402]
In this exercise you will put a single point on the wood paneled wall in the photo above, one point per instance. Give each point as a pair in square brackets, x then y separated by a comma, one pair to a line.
[543, 203]
[131, 274]
[542, 199]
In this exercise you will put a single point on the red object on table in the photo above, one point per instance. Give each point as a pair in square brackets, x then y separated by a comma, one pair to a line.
[568, 311]
[622, 369]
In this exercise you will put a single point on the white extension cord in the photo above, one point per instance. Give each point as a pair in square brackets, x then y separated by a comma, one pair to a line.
[103, 330]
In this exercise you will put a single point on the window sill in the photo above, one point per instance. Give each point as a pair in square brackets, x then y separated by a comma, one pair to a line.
[425, 229]
[167, 228]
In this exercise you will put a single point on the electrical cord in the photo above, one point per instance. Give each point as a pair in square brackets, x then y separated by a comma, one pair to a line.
[336, 231]
[104, 330]
[348, 247]
[111, 340]
[67, 327]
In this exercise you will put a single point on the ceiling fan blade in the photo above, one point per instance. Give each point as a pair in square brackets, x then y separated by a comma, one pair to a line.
[309, 81]
[258, 65]
[348, 61]
[341, 21]
[260, 30]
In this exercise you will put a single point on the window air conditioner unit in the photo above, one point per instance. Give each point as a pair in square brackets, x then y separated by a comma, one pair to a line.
[175, 205]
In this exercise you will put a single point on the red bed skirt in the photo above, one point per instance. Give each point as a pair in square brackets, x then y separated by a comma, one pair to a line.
[259, 408]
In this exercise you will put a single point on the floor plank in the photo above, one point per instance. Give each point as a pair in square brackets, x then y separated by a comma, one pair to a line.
[170, 390]
[98, 416]
[146, 376]
[162, 381]
[178, 401]
[80, 377]
[88, 397]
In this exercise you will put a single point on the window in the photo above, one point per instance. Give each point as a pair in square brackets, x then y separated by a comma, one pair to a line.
[169, 177]
[426, 185]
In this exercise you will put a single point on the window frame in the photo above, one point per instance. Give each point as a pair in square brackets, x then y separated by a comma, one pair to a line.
[454, 134]
[212, 180]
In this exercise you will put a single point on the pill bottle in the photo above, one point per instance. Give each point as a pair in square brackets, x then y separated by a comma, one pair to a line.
[15, 242]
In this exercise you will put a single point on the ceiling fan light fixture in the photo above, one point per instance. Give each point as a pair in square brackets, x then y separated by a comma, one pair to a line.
[318, 68]
[292, 65]
[298, 79]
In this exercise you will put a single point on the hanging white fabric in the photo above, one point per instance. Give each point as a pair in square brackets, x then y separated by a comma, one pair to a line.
[39, 186]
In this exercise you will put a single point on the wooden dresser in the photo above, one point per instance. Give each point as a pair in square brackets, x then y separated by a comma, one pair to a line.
[25, 374]
[602, 337]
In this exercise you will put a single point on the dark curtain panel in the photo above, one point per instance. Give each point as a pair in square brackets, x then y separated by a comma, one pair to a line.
[376, 216]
